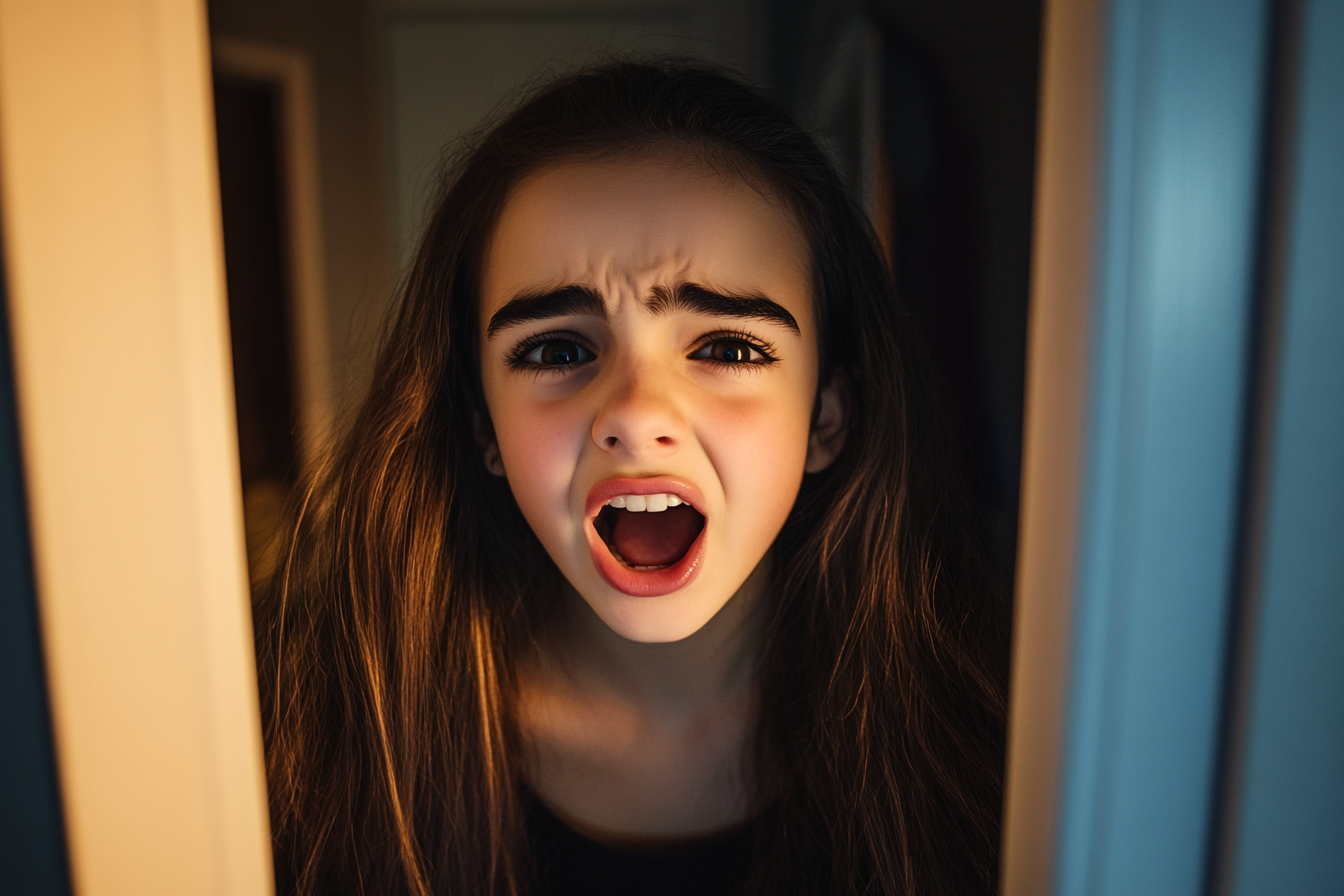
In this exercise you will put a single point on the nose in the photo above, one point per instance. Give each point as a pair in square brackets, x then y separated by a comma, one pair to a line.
[639, 419]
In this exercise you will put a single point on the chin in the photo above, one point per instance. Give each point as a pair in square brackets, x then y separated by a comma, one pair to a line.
[655, 620]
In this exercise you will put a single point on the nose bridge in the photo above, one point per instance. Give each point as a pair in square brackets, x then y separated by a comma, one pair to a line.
[639, 413]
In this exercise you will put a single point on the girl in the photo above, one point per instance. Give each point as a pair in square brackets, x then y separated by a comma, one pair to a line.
[638, 569]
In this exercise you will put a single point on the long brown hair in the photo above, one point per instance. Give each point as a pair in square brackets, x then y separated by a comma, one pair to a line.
[386, 641]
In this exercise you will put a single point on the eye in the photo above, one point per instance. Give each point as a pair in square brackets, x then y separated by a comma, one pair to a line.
[732, 351]
[551, 352]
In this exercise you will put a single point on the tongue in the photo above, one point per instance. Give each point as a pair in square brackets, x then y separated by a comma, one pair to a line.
[655, 539]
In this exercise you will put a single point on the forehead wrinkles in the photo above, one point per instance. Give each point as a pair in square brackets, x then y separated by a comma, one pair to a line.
[626, 286]
[622, 229]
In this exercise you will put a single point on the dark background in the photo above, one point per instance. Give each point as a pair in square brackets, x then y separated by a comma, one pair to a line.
[958, 92]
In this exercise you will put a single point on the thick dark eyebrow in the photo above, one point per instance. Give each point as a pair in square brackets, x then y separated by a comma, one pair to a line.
[695, 298]
[566, 300]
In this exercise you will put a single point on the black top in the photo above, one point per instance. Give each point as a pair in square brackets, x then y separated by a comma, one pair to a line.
[570, 864]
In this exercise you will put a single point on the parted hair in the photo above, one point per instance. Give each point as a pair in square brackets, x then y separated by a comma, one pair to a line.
[410, 581]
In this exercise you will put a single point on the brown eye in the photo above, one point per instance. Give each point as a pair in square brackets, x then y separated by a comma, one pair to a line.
[558, 353]
[730, 351]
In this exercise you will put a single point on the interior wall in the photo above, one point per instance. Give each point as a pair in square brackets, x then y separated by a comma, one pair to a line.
[451, 64]
[340, 39]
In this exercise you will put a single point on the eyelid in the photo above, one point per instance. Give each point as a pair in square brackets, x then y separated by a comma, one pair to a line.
[765, 347]
[514, 357]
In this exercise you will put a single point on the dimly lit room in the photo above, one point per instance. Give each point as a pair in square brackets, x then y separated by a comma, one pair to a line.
[701, 446]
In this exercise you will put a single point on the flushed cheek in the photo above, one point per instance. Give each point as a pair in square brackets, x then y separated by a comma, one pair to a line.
[540, 446]
[759, 451]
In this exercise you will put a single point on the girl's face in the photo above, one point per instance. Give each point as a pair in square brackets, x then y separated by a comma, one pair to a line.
[650, 366]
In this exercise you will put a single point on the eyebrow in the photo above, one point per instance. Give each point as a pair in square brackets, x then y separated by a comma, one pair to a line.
[576, 299]
[695, 298]
[566, 300]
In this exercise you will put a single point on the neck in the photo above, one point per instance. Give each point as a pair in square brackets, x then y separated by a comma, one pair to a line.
[645, 740]
[715, 663]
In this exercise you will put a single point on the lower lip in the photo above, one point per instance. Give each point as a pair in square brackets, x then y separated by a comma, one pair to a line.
[645, 582]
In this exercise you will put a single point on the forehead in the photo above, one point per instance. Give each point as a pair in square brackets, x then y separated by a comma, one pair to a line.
[623, 226]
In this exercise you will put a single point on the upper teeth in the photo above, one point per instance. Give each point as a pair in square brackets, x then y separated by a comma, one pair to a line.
[640, 503]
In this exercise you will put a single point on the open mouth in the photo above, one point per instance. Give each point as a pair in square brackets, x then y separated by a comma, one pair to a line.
[648, 532]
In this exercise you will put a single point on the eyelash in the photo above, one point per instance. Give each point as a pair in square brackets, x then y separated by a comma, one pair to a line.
[766, 349]
[516, 357]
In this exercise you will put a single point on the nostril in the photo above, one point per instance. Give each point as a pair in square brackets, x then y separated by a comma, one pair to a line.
[665, 440]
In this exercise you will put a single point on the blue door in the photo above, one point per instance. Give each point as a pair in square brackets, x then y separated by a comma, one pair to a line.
[1200, 744]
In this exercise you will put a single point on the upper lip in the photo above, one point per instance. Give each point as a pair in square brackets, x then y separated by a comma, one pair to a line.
[607, 489]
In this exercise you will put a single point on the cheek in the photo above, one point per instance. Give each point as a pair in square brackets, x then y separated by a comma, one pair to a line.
[539, 444]
[759, 449]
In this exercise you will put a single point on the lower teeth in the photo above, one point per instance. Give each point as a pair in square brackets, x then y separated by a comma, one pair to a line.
[623, 562]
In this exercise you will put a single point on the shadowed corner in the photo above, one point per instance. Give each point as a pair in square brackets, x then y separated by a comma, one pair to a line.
[32, 837]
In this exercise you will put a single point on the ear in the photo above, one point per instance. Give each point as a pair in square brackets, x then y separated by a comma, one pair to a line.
[830, 425]
[485, 437]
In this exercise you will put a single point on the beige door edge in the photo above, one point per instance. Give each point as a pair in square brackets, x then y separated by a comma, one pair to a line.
[112, 247]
